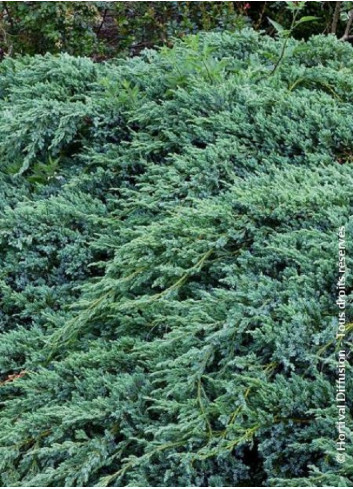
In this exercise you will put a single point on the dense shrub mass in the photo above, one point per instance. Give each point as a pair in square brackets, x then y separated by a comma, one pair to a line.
[168, 265]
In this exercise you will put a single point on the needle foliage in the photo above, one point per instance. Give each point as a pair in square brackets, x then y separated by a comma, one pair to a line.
[168, 265]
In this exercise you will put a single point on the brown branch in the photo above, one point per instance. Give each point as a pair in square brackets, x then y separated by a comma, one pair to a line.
[336, 17]
[8, 15]
[12, 377]
[259, 20]
[102, 22]
[346, 35]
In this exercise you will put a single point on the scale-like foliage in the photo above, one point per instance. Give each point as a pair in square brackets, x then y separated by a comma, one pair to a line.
[169, 265]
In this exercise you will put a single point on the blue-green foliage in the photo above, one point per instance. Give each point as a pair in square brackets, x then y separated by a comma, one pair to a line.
[168, 265]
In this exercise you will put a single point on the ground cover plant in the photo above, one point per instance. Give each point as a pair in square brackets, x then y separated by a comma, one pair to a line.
[168, 264]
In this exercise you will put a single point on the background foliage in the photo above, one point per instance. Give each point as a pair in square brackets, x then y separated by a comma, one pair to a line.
[106, 29]
[168, 262]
